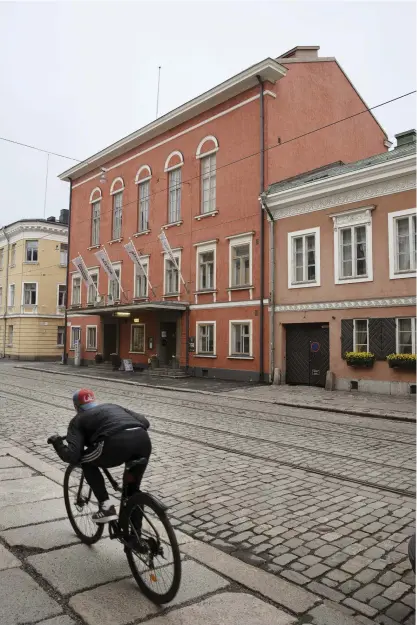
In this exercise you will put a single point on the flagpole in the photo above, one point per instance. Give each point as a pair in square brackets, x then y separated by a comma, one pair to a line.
[118, 281]
[163, 237]
[147, 277]
[92, 281]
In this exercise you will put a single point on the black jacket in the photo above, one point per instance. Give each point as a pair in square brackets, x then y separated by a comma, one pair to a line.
[93, 425]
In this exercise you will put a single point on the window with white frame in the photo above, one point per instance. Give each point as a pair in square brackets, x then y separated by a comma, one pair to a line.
[137, 338]
[30, 293]
[75, 336]
[206, 339]
[13, 255]
[10, 336]
[174, 195]
[304, 258]
[402, 243]
[240, 262]
[406, 335]
[208, 183]
[172, 281]
[76, 291]
[353, 246]
[63, 254]
[206, 268]
[62, 292]
[240, 340]
[92, 289]
[91, 337]
[141, 279]
[60, 335]
[114, 285]
[1, 258]
[95, 221]
[361, 335]
[31, 253]
[12, 291]
[143, 194]
[117, 215]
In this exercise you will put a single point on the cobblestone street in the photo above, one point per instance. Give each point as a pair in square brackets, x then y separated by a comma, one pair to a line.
[324, 500]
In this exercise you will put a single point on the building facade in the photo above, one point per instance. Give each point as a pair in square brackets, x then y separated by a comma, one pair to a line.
[345, 262]
[33, 261]
[196, 174]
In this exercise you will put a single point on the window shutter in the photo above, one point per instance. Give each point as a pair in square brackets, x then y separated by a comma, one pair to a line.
[375, 338]
[388, 339]
[347, 336]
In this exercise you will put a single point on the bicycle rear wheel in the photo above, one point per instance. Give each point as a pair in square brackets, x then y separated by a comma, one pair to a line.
[81, 504]
[151, 548]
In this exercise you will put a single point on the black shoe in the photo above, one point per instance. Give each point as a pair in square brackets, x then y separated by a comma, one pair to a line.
[105, 514]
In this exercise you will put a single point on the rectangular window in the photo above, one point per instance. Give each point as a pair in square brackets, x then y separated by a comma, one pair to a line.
[13, 255]
[117, 215]
[206, 270]
[1, 258]
[75, 336]
[171, 277]
[30, 293]
[10, 336]
[406, 335]
[60, 336]
[95, 222]
[76, 291]
[208, 184]
[360, 335]
[62, 292]
[92, 337]
[92, 289]
[353, 257]
[141, 283]
[405, 244]
[1, 296]
[114, 286]
[206, 339]
[12, 292]
[241, 265]
[241, 338]
[174, 198]
[144, 206]
[137, 339]
[63, 254]
[31, 252]
[304, 259]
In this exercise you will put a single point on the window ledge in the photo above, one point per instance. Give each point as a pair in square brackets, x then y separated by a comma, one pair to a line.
[12, 266]
[66, 264]
[91, 349]
[205, 355]
[354, 280]
[145, 298]
[174, 223]
[141, 353]
[246, 287]
[115, 241]
[205, 291]
[171, 294]
[31, 262]
[139, 234]
[210, 214]
[94, 247]
[302, 285]
[240, 358]
[9, 345]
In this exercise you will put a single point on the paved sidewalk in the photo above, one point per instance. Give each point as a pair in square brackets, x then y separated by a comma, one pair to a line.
[48, 578]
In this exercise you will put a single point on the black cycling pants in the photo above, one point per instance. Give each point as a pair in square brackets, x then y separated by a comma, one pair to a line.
[112, 452]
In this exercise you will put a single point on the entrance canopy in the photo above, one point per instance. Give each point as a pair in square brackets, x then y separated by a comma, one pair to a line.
[126, 308]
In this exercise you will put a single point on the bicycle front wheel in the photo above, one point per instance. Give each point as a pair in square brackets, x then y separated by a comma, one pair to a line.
[81, 505]
[152, 549]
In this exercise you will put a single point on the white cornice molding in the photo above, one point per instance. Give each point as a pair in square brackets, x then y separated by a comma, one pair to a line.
[364, 303]
[356, 186]
[21, 228]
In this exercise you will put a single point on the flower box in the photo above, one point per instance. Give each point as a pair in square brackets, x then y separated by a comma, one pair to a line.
[360, 359]
[402, 361]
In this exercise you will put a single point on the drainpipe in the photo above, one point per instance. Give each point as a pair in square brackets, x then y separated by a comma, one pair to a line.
[65, 357]
[6, 301]
[271, 287]
[262, 230]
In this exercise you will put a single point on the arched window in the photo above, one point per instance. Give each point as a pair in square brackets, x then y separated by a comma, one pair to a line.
[95, 201]
[173, 166]
[116, 190]
[143, 180]
[206, 152]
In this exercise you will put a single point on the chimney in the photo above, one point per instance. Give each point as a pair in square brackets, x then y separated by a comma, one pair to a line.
[63, 216]
[406, 138]
[302, 53]
[52, 219]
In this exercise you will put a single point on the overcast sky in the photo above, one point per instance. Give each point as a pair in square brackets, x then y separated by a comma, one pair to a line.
[76, 76]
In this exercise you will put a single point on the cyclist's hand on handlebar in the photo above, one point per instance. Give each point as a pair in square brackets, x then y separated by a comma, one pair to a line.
[52, 440]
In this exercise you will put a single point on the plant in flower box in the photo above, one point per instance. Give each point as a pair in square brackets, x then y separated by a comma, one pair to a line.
[402, 361]
[360, 359]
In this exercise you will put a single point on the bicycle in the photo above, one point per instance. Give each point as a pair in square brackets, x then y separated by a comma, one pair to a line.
[142, 517]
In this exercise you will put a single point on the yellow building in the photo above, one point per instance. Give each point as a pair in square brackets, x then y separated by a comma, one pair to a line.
[33, 266]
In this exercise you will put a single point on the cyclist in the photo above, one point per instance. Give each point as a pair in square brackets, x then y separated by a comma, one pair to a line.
[103, 435]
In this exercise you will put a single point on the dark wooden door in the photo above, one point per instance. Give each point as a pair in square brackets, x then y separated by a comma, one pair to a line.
[109, 340]
[307, 354]
[168, 343]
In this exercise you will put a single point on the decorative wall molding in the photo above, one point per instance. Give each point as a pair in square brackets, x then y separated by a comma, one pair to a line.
[364, 303]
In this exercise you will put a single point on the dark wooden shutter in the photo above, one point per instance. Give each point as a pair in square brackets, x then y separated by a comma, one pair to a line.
[375, 338]
[346, 339]
[388, 340]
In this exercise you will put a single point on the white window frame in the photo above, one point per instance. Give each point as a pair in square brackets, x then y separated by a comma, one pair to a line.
[350, 219]
[63, 255]
[177, 256]
[394, 274]
[74, 277]
[232, 354]
[96, 221]
[11, 304]
[96, 273]
[117, 266]
[31, 262]
[13, 255]
[292, 284]
[88, 347]
[236, 241]
[58, 305]
[354, 333]
[176, 189]
[117, 216]
[209, 175]
[213, 354]
[413, 334]
[72, 346]
[1, 258]
[144, 203]
[23, 294]
[137, 325]
[145, 261]
[201, 249]
[63, 336]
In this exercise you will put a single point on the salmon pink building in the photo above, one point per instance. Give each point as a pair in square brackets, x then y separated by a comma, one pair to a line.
[196, 174]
